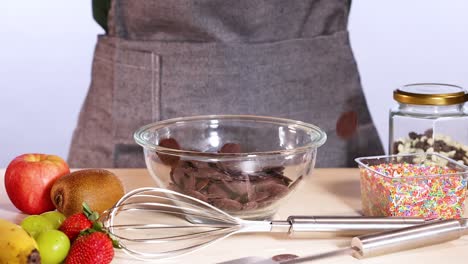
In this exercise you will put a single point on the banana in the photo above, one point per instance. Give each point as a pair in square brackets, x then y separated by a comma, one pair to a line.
[16, 245]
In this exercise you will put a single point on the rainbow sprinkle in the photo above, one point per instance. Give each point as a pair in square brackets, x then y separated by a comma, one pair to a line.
[405, 193]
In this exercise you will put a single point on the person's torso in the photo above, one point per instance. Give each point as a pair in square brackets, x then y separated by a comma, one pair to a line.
[172, 58]
[248, 21]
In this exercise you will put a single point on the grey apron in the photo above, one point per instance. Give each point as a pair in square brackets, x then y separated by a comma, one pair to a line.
[171, 58]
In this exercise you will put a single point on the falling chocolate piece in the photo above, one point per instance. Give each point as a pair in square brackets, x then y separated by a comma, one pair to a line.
[347, 124]
[168, 159]
[230, 148]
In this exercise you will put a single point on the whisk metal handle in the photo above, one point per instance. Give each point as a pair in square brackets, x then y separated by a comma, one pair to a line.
[342, 225]
[408, 238]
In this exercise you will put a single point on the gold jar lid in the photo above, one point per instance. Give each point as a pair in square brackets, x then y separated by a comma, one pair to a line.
[430, 94]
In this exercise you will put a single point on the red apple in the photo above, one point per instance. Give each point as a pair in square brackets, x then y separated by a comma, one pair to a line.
[29, 178]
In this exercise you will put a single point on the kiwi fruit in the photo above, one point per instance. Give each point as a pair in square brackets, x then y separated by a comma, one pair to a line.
[99, 188]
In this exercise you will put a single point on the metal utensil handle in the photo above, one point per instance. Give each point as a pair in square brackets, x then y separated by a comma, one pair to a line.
[406, 238]
[349, 225]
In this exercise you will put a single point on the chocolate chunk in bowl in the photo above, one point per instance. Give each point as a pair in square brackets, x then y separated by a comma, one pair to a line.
[244, 165]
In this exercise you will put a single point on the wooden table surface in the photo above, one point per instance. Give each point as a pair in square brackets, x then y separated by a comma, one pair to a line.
[326, 192]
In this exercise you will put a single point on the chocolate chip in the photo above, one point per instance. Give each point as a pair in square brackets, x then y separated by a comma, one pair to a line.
[428, 133]
[420, 145]
[459, 154]
[429, 142]
[395, 146]
[413, 135]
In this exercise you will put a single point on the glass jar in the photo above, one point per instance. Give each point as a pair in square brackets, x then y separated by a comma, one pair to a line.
[430, 118]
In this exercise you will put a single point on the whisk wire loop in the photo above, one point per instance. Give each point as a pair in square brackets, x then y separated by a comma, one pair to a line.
[184, 224]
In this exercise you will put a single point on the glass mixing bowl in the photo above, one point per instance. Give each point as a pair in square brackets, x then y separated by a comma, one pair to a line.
[244, 165]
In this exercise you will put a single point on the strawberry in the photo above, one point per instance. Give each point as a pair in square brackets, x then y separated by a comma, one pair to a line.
[73, 225]
[91, 247]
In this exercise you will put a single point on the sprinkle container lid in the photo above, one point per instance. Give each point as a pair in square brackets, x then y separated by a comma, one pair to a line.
[430, 94]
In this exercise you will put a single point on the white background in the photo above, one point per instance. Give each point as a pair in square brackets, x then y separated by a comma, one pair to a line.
[46, 50]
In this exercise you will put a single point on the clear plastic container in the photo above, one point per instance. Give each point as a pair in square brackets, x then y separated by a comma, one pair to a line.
[430, 118]
[413, 185]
